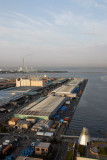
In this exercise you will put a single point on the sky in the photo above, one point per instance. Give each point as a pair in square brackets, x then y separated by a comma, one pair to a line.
[53, 33]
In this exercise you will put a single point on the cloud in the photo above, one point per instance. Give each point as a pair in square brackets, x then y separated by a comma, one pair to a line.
[64, 38]
[92, 3]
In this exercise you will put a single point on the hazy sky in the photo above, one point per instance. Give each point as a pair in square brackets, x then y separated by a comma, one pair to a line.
[53, 32]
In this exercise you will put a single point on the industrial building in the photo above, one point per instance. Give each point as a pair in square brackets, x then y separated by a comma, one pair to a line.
[12, 122]
[42, 148]
[23, 124]
[15, 95]
[7, 96]
[67, 90]
[30, 82]
[31, 119]
[4, 101]
[43, 110]
[42, 125]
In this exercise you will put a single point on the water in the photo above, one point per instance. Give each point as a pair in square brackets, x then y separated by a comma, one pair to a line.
[91, 111]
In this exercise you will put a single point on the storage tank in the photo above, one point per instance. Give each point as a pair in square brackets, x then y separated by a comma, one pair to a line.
[66, 119]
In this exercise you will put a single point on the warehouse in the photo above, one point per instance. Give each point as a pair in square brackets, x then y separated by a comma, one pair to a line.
[30, 82]
[67, 90]
[12, 122]
[23, 124]
[76, 81]
[16, 95]
[42, 125]
[42, 148]
[10, 96]
[43, 110]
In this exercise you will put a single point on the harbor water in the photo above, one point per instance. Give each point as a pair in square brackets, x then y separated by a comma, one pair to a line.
[91, 111]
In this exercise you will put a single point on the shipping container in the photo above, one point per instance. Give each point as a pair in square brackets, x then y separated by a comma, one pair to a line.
[66, 119]
[40, 133]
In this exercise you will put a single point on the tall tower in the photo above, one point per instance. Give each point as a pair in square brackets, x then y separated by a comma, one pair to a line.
[23, 64]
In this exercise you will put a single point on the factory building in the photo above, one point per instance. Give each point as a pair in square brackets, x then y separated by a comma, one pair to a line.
[43, 110]
[30, 82]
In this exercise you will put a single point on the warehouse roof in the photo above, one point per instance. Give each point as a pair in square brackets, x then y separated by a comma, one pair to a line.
[11, 95]
[14, 119]
[65, 89]
[22, 89]
[46, 107]
[43, 145]
[49, 105]
[23, 122]
[31, 105]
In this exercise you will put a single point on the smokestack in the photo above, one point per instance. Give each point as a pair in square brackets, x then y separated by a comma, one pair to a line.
[23, 65]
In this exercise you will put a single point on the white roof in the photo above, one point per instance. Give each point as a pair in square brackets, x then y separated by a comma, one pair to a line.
[65, 89]
[49, 104]
[43, 145]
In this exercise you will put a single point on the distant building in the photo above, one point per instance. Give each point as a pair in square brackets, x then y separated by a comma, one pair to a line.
[42, 148]
[30, 82]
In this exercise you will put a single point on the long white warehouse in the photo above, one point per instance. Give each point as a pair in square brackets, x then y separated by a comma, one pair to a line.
[44, 109]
